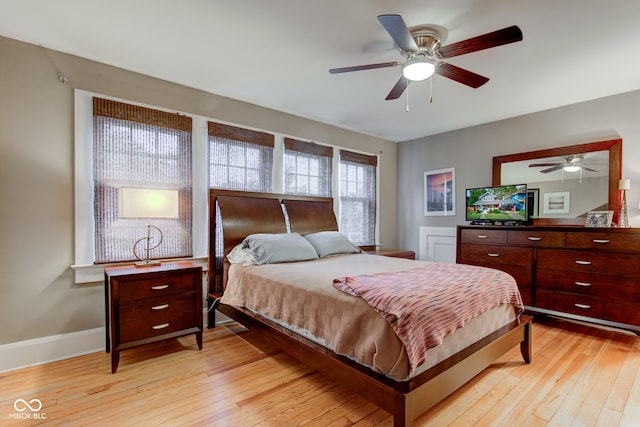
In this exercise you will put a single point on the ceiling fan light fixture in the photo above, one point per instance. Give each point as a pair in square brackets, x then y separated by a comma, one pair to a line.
[571, 168]
[418, 68]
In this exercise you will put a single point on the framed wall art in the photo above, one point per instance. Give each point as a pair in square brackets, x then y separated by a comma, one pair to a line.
[440, 192]
[556, 203]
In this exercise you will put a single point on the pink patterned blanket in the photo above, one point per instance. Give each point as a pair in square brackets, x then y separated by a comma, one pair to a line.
[424, 304]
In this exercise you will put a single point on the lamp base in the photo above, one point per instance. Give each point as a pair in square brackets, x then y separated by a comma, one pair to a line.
[147, 264]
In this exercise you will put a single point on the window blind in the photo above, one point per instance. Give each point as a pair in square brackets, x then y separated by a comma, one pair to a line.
[307, 168]
[358, 197]
[240, 159]
[142, 148]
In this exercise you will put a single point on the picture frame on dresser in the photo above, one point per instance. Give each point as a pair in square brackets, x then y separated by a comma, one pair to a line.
[600, 219]
[440, 192]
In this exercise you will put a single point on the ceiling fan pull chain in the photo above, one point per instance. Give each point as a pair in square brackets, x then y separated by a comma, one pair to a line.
[431, 90]
[408, 84]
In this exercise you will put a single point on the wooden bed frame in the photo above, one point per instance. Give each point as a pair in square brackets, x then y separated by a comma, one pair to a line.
[244, 213]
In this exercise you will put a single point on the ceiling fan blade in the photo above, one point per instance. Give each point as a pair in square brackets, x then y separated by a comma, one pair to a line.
[461, 75]
[589, 169]
[486, 41]
[555, 168]
[397, 29]
[363, 67]
[397, 90]
[535, 165]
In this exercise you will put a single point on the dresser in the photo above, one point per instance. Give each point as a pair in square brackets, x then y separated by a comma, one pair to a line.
[588, 274]
[147, 304]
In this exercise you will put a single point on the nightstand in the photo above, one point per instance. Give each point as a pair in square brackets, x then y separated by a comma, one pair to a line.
[148, 304]
[395, 253]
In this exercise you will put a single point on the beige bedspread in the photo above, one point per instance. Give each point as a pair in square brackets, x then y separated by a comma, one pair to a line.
[302, 294]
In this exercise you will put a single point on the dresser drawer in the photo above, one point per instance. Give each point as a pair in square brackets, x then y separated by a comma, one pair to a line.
[536, 238]
[589, 284]
[168, 284]
[625, 265]
[603, 240]
[156, 308]
[491, 255]
[614, 310]
[164, 323]
[483, 236]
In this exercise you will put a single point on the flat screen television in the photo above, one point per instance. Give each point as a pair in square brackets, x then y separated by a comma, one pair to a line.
[504, 204]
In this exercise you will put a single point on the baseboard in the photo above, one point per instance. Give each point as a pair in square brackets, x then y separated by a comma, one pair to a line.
[38, 351]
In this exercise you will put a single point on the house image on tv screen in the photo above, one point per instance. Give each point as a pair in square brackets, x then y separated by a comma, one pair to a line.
[502, 203]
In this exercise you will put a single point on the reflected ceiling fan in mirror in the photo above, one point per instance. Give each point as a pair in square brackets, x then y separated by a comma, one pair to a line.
[424, 56]
[569, 164]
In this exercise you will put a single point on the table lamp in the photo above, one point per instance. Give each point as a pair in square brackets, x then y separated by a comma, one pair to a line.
[148, 203]
[624, 185]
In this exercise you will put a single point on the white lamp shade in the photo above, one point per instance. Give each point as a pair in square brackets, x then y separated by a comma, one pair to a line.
[148, 203]
[624, 184]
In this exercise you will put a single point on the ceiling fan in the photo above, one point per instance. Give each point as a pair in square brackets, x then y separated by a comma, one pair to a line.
[570, 164]
[424, 55]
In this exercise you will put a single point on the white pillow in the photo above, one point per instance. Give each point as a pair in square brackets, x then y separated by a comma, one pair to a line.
[331, 243]
[241, 255]
[275, 248]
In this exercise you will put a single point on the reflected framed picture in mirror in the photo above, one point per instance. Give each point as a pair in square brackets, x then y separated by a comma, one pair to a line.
[599, 219]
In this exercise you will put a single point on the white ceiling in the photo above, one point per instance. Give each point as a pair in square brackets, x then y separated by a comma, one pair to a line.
[276, 53]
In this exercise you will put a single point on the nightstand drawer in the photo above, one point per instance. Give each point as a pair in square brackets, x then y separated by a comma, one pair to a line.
[153, 287]
[163, 324]
[156, 308]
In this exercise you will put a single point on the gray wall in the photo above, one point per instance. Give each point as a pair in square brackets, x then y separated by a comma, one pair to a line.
[471, 151]
[38, 296]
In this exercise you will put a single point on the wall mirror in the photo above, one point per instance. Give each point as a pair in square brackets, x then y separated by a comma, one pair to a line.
[566, 182]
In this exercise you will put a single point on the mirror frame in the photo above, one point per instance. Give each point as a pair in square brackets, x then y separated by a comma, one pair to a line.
[614, 146]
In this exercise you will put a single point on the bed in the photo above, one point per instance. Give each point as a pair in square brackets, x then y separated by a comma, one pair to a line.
[387, 378]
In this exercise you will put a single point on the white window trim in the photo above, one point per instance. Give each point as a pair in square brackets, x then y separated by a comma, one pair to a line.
[88, 272]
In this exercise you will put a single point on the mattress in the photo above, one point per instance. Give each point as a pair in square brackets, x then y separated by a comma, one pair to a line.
[301, 296]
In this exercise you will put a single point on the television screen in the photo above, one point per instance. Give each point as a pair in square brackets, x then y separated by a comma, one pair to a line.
[497, 204]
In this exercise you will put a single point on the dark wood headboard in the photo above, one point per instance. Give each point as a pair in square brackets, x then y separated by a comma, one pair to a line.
[243, 213]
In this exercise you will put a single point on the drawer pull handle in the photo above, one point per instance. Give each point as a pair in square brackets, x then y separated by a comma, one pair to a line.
[159, 287]
[494, 255]
[583, 306]
[160, 307]
[534, 239]
[583, 284]
[161, 326]
[601, 241]
[482, 236]
[583, 262]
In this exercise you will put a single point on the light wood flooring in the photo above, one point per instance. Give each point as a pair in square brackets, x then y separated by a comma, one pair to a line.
[580, 376]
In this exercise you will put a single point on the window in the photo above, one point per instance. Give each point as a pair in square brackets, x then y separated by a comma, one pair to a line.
[240, 159]
[307, 168]
[142, 148]
[358, 197]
